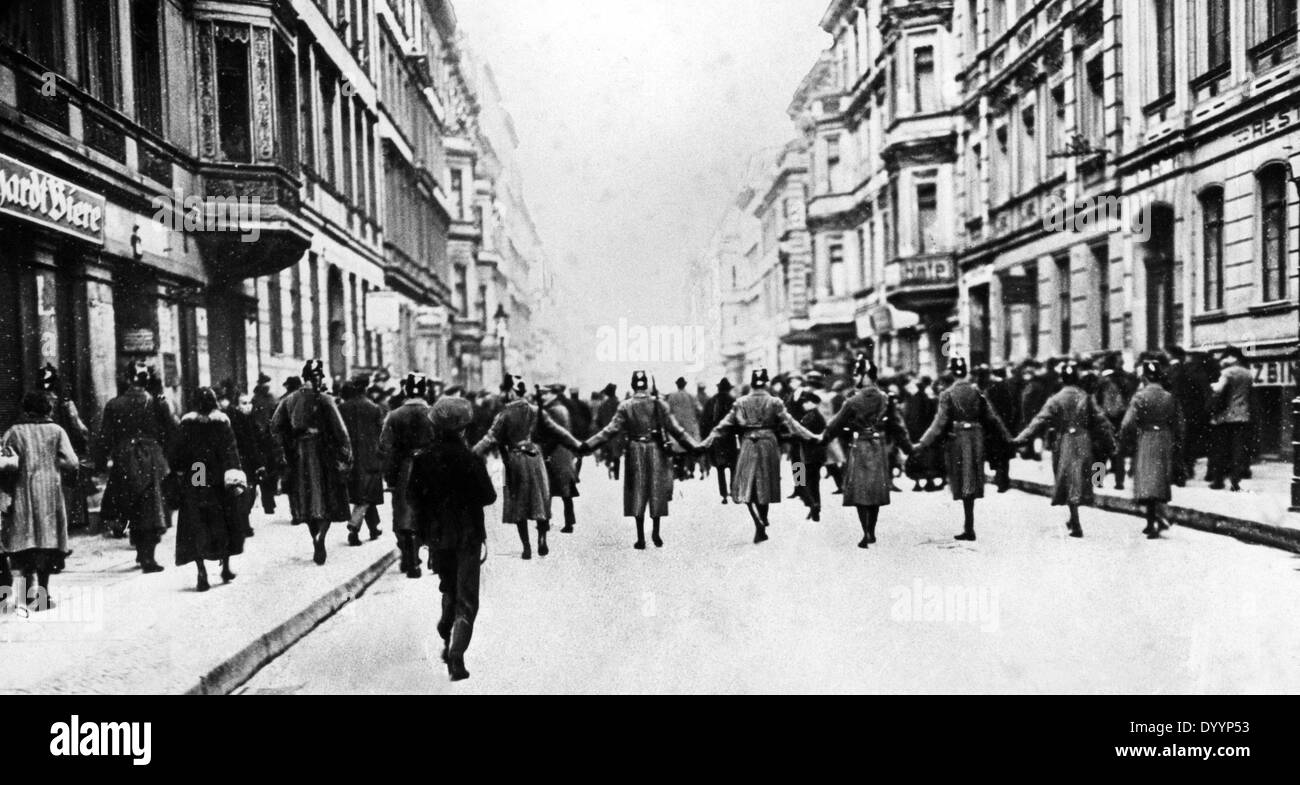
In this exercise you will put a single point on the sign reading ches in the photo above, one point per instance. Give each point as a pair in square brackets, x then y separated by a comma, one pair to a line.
[48, 200]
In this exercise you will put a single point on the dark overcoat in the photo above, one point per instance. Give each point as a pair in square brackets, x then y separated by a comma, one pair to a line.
[318, 454]
[869, 420]
[758, 419]
[448, 488]
[134, 433]
[407, 432]
[648, 471]
[1076, 421]
[514, 432]
[364, 420]
[963, 419]
[561, 462]
[726, 449]
[208, 524]
[1153, 427]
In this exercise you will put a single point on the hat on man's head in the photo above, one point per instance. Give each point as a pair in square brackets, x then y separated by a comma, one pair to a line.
[263, 379]
[1069, 370]
[313, 369]
[808, 396]
[137, 373]
[610, 389]
[958, 367]
[759, 379]
[414, 385]
[555, 389]
[292, 383]
[1153, 370]
[640, 381]
[681, 382]
[864, 368]
[814, 378]
[1234, 353]
[514, 384]
[725, 385]
[452, 414]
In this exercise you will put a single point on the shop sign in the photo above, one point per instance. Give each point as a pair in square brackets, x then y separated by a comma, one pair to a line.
[1276, 120]
[383, 311]
[33, 195]
[1275, 373]
[138, 341]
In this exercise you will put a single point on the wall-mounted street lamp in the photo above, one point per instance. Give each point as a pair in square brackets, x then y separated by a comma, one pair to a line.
[501, 329]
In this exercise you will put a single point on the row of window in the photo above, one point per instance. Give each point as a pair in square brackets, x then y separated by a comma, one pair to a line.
[1271, 237]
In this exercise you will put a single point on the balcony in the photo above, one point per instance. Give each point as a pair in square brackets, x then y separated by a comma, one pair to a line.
[922, 283]
[250, 221]
[404, 274]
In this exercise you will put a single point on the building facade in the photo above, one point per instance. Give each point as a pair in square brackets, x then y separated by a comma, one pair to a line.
[1127, 184]
[223, 189]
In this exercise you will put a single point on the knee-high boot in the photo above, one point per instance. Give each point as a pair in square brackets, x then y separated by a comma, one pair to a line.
[461, 632]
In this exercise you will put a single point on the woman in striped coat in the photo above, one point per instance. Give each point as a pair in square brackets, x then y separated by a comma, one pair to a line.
[1154, 426]
[34, 532]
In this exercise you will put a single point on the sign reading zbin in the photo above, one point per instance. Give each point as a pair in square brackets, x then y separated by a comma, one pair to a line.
[33, 195]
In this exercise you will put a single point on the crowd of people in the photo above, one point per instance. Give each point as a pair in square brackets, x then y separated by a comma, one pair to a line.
[334, 449]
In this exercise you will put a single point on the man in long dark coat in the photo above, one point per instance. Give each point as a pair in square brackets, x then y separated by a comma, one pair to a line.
[611, 452]
[964, 419]
[647, 424]
[561, 462]
[1190, 385]
[725, 450]
[686, 410]
[810, 458]
[408, 431]
[758, 419]
[250, 448]
[134, 433]
[1153, 427]
[319, 454]
[1001, 395]
[263, 407]
[1078, 423]
[364, 420]
[580, 418]
[516, 432]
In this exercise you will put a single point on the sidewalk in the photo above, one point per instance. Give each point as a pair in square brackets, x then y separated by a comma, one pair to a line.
[116, 630]
[1259, 513]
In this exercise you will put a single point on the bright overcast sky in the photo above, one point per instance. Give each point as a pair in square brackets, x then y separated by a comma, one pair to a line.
[636, 120]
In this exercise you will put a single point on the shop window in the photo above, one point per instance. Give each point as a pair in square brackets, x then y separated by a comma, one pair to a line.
[233, 109]
[97, 39]
[1273, 232]
[146, 46]
[1212, 248]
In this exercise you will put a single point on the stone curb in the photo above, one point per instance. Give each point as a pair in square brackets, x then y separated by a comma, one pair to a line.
[229, 675]
[1244, 530]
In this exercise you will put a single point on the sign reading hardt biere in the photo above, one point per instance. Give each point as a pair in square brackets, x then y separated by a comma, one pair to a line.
[36, 196]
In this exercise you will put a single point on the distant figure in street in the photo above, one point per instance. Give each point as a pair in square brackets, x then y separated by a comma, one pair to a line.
[686, 409]
[1111, 395]
[927, 465]
[1154, 426]
[581, 418]
[810, 457]
[872, 422]
[78, 483]
[647, 423]
[133, 433]
[1230, 421]
[561, 462]
[1079, 425]
[263, 407]
[449, 486]
[205, 458]
[725, 450]
[611, 454]
[34, 531]
[408, 431]
[1001, 395]
[515, 432]
[963, 419]
[319, 455]
[1190, 385]
[757, 419]
[364, 420]
[1035, 389]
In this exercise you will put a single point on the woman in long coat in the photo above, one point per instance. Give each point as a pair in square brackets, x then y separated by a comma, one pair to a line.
[757, 419]
[964, 420]
[408, 431]
[318, 453]
[1077, 422]
[205, 457]
[872, 421]
[561, 462]
[34, 533]
[527, 493]
[133, 433]
[78, 484]
[725, 451]
[647, 424]
[1154, 425]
